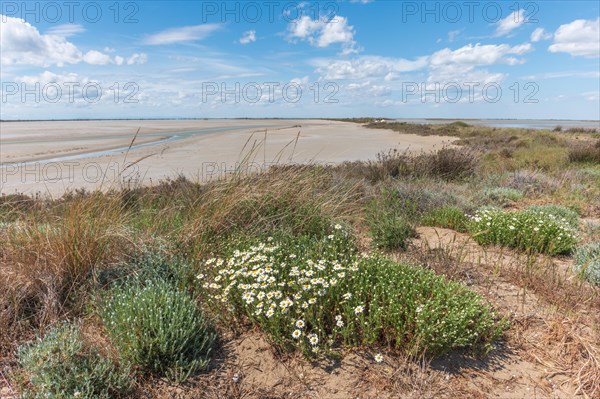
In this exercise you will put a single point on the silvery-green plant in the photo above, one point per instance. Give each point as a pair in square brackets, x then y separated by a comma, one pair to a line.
[587, 262]
[158, 328]
[61, 365]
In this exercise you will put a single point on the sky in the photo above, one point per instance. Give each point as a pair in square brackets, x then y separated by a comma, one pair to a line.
[352, 58]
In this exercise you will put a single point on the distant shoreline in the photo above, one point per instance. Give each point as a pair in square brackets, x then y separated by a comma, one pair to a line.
[307, 118]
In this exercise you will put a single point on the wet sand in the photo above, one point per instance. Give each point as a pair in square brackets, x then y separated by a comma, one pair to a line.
[57, 156]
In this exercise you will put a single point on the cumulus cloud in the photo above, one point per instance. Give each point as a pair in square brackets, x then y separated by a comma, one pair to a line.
[248, 37]
[324, 32]
[22, 43]
[479, 54]
[510, 23]
[181, 34]
[367, 67]
[96, 58]
[465, 65]
[540, 34]
[578, 38]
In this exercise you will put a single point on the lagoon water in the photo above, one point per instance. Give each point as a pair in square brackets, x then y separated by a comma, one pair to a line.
[514, 123]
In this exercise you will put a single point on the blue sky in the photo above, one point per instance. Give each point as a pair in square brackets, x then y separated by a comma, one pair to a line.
[214, 59]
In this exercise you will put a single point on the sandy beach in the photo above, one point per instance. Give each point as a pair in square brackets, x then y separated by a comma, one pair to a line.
[56, 156]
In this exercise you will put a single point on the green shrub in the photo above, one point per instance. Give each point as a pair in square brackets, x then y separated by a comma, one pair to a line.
[528, 230]
[389, 224]
[158, 328]
[446, 217]
[560, 212]
[314, 295]
[61, 365]
[587, 262]
[501, 196]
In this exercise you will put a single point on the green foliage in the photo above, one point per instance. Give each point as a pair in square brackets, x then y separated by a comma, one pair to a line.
[61, 365]
[528, 230]
[158, 328]
[501, 196]
[389, 224]
[563, 213]
[446, 217]
[314, 295]
[587, 262]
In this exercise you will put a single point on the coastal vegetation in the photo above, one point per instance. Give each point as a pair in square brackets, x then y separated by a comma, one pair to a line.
[402, 264]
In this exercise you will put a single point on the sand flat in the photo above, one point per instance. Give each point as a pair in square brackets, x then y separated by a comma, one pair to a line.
[53, 157]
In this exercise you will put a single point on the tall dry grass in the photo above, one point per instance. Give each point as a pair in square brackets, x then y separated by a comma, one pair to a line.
[46, 256]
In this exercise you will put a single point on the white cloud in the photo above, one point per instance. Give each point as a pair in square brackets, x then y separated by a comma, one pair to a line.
[22, 43]
[119, 60]
[508, 24]
[479, 54]
[66, 30]
[136, 58]
[465, 65]
[578, 38]
[452, 35]
[367, 67]
[540, 34]
[96, 58]
[248, 37]
[324, 32]
[182, 34]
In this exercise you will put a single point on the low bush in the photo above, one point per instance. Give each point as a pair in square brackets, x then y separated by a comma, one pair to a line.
[422, 196]
[528, 230]
[61, 365]
[500, 196]
[585, 153]
[587, 262]
[158, 328]
[319, 295]
[560, 212]
[446, 217]
[447, 164]
[532, 182]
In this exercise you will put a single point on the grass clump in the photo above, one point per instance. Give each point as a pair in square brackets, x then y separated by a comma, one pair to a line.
[389, 222]
[61, 365]
[318, 295]
[528, 230]
[587, 262]
[447, 217]
[158, 328]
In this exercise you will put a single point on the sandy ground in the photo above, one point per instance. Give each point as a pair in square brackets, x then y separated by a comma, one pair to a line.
[53, 157]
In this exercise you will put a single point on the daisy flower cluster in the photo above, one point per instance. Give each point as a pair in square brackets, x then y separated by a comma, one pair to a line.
[298, 295]
[529, 230]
